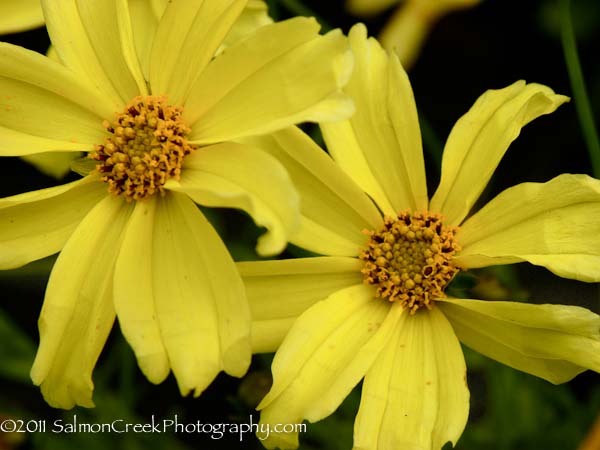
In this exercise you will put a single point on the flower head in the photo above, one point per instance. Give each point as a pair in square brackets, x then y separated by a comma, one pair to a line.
[156, 104]
[58, 164]
[376, 306]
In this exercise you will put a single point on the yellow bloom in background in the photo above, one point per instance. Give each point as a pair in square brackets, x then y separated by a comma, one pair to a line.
[375, 306]
[408, 27]
[145, 16]
[158, 126]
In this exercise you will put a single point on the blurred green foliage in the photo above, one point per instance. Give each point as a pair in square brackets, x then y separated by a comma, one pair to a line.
[487, 47]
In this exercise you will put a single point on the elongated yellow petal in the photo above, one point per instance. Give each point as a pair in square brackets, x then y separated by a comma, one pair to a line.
[199, 297]
[144, 22]
[554, 224]
[254, 16]
[86, 37]
[479, 140]
[334, 210]
[78, 310]
[20, 15]
[553, 342]
[54, 164]
[37, 224]
[280, 75]
[234, 175]
[187, 38]
[146, 15]
[134, 293]
[368, 7]
[128, 47]
[45, 106]
[415, 395]
[279, 291]
[326, 353]
[407, 28]
[380, 145]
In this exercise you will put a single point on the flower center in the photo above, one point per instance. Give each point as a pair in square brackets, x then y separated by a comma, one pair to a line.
[146, 148]
[409, 260]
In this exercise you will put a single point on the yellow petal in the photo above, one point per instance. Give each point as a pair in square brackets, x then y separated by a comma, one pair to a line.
[37, 224]
[20, 15]
[199, 297]
[144, 22]
[553, 342]
[78, 310]
[380, 145]
[87, 39]
[54, 164]
[254, 16]
[407, 28]
[365, 8]
[282, 74]
[334, 210]
[146, 15]
[128, 49]
[325, 354]
[134, 293]
[479, 140]
[415, 395]
[187, 38]
[239, 176]
[279, 291]
[45, 106]
[554, 224]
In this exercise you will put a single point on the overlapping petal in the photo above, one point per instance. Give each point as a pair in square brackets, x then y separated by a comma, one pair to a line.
[554, 342]
[134, 293]
[334, 210]
[90, 42]
[144, 22]
[201, 308]
[279, 291]
[187, 38]
[78, 311]
[280, 75]
[254, 16]
[37, 224]
[20, 15]
[554, 224]
[479, 140]
[46, 107]
[325, 354]
[239, 176]
[415, 395]
[380, 145]
[54, 164]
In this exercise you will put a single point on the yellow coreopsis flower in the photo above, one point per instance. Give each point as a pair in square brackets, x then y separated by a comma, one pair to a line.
[158, 126]
[145, 14]
[408, 27]
[375, 306]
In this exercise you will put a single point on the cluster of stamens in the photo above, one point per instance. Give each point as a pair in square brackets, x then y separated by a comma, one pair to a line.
[146, 147]
[410, 259]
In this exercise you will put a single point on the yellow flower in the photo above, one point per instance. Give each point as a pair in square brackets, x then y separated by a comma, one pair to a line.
[408, 27]
[375, 306]
[159, 126]
[145, 16]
